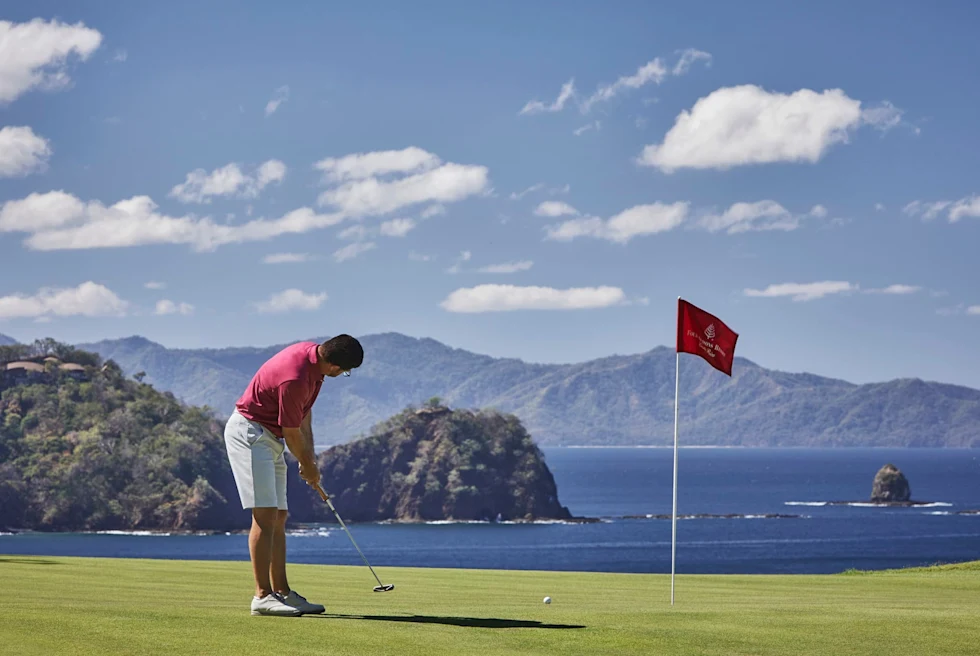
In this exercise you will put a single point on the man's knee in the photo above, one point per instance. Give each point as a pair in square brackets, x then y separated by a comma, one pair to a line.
[266, 518]
[281, 516]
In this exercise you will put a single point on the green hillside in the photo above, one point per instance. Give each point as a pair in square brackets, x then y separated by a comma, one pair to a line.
[626, 399]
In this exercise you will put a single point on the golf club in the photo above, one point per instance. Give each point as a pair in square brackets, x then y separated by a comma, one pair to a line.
[381, 587]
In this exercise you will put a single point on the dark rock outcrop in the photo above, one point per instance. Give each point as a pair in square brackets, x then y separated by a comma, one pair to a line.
[441, 464]
[890, 485]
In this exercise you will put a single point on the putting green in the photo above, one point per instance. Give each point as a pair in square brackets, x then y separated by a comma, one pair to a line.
[127, 606]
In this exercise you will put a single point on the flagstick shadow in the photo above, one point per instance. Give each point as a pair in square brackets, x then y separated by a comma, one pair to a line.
[28, 561]
[474, 622]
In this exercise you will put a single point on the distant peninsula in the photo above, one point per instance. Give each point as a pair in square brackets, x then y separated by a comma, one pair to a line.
[434, 464]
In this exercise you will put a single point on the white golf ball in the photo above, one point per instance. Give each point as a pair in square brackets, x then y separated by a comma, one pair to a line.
[547, 600]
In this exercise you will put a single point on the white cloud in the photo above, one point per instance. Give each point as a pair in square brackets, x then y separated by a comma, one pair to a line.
[554, 208]
[517, 196]
[504, 298]
[433, 210]
[351, 251]
[742, 217]
[564, 189]
[965, 207]
[927, 211]
[464, 256]
[290, 299]
[280, 96]
[169, 307]
[60, 221]
[89, 299]
[396, 227]
[419, 257]
[595, 125]
[818, 211]
[884, 117]
[653, 71]
[286, 258]
[120, 55]
[507, 267]
[633, 222]
[355, 232]
[803, 292]
[155, 285]
[35, 55]
[973, 309]
[229, 180]
[22, 152]
[896, 290]
[688, 57]
[536, 106]
[359, 166]
[440, 183]
[879, 207]
[742, 125]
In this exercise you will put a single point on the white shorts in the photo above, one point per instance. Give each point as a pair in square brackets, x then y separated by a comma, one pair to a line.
[257, 462]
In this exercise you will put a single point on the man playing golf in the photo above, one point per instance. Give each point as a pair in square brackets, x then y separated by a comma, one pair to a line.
[273, 414]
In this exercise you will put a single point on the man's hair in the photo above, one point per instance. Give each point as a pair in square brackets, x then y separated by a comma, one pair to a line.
[344, 351]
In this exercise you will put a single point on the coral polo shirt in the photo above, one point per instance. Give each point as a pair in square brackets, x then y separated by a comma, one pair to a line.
[283, 390]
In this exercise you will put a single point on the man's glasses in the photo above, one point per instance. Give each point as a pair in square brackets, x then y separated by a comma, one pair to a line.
[347, 373]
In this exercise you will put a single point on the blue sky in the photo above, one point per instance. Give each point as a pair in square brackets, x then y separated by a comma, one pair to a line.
[533, 180]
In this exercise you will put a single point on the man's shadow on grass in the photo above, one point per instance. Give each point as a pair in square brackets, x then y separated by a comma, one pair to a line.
[476, 622]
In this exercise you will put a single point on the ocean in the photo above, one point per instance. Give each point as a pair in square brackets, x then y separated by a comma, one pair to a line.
[622, 487]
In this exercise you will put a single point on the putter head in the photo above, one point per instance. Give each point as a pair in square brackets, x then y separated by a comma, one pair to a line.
[384, 588]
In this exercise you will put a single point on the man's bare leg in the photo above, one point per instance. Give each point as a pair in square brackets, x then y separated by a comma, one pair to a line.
[260, 547]
[277, 565]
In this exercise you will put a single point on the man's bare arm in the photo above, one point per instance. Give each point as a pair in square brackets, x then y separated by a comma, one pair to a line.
[307, 428]
[302, 448]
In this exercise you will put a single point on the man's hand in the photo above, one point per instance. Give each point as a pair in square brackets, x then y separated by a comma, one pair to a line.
[310, 473]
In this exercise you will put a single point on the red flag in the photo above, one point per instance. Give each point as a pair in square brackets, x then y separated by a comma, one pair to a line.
[706, 335]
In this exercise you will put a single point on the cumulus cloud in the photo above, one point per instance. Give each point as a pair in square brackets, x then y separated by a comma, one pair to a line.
[506, 298]
[35, 55]
[351, 251]
[432, 210]
[959, 209]
[537, 107]
[633, 222]
[22, 152]
[743, 125]
[166, 306]
[89, 299]
[286, 258]
[229, 180]
[280, 96]
[895, 290]
[396, 227]
[760, 215]
[358, 166]
[803, 292]
[507, 267]
[429, 180]
[60, 221]
[554, 208]
[289, 300]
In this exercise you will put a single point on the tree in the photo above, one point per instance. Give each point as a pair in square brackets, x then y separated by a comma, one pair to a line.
[139, 376]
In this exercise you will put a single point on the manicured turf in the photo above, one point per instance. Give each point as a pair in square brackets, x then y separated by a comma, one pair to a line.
[116, 606]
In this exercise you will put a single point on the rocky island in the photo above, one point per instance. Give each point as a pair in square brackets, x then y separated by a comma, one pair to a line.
[435, 463]
[890, 485]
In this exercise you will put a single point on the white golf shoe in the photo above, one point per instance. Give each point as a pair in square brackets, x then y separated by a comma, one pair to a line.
[273, 604]
[296, 600]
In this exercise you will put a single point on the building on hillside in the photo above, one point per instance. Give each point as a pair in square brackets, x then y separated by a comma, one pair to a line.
[20, 371]
[76, 371]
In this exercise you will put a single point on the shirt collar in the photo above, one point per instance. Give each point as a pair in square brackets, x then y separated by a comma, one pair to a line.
[315, 371]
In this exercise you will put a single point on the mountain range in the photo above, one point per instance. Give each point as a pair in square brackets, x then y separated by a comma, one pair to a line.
[616, 400]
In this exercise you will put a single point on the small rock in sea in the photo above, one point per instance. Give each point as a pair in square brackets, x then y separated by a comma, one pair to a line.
[890, 485]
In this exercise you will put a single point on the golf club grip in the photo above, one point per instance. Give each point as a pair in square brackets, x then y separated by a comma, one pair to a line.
[323, 495]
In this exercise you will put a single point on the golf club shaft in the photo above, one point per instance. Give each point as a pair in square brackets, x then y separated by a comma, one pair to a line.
[323, 495]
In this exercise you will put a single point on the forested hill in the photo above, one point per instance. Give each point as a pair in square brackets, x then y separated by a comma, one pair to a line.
[624, 399]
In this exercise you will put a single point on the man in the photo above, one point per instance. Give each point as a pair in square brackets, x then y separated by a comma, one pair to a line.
[273, 414]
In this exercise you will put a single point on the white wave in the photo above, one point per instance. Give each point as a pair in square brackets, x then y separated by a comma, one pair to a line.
[309, 533]
[137, 533]
[939, 512]
[937, 504]
[4, 533]
[806, 503]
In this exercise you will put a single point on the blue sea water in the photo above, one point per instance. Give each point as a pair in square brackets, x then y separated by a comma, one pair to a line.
[611, 483]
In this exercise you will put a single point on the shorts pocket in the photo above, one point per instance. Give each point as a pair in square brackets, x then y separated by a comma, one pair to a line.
[253, 432]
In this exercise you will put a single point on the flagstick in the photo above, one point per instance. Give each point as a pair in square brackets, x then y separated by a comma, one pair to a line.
[673, 539]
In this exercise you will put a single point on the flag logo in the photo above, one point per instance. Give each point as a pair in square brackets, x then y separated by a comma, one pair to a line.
[704, 334]
[709, 332]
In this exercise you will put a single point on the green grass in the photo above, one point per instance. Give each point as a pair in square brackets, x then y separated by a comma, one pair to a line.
[117, 606]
